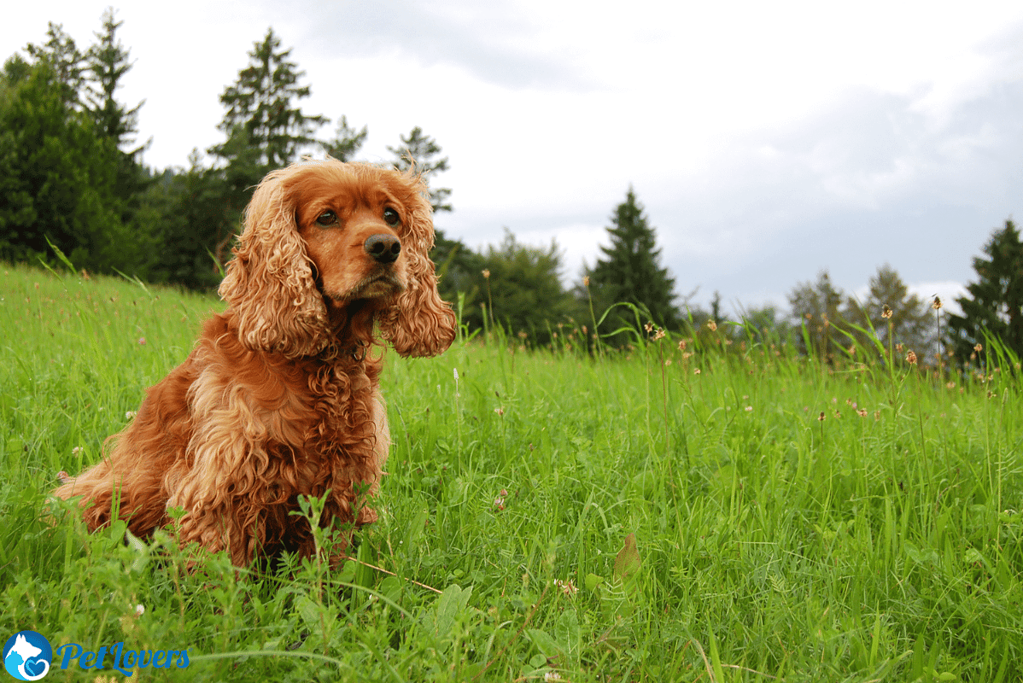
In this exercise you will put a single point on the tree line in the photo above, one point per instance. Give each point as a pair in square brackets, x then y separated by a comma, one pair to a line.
[73, 180]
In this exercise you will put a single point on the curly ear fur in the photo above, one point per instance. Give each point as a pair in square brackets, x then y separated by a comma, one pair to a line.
[420, 323]
[269, 282]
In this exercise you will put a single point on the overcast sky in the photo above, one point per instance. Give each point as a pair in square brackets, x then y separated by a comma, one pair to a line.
[766, 140]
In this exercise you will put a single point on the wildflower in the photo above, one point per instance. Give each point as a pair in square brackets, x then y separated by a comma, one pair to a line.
[567, 587]
[712, 326]
[696, 371]
[936, 304]
[499, 411]
[140, 609]
[142, 341]
[979, 347]
[586, 280]
[499, 501]
[130, 415]
[898, 347]
[682, 345]
[749, 409]
[822, 417]
[551, 676]
[911, 358]
[486, 273]
[63, 477]
[649, 327]
[77, 450]
[862, 412]
[658, 335]
[886, 312]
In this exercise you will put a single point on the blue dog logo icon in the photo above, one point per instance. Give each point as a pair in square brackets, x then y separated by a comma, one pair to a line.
[27, 656]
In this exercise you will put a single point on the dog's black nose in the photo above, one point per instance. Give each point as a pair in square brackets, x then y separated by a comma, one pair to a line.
[383, 248]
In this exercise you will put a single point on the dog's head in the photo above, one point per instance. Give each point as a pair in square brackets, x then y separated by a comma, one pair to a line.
[322, 238]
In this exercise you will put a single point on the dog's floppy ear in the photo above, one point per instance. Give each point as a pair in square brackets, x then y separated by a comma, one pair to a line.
[269, 282]
[420, 323]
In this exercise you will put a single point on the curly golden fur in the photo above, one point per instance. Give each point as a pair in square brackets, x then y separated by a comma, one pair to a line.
[280, 398]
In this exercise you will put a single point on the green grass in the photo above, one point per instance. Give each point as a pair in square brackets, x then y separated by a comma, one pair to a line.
[769, 545]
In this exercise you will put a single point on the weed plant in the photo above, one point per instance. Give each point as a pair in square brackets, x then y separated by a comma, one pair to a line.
[685, 510]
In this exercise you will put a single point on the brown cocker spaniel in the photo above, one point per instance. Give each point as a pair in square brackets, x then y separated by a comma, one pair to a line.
[280, 396]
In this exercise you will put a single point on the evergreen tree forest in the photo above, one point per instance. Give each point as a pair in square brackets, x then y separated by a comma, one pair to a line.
[73, 185]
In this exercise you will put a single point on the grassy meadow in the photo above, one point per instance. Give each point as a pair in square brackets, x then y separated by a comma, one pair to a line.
[672, 515]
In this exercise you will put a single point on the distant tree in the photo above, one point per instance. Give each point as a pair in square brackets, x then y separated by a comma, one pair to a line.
[764, 325]
[816, 307]
[189, 216]
[715, 308]
[108, 62]
[995, 301]
[346, 142]
[911, 321]
[58, 176]
[421, 150]
[264, 125]
[458, 271]
[524, 288]
[630, 271]
[262, 108]
[68, 65]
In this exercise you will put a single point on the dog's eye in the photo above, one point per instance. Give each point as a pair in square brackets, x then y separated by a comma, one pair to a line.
[326, 219]
[391, 217]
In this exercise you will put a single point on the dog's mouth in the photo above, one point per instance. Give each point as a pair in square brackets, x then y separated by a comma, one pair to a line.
[374, 286]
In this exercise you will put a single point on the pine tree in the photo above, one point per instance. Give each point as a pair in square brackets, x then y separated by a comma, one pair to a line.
[346, 141]
[995, 302]
[108, 62]
[262, 109]
[910, 321]
[419, 150]
[67, 64]
[265, 128]
[630, 271]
